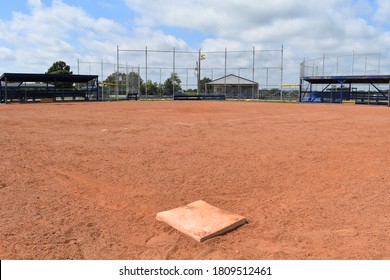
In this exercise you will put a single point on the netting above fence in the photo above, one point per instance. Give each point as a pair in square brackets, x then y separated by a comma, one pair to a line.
[151, 74]
[193, 69]
[348, 64]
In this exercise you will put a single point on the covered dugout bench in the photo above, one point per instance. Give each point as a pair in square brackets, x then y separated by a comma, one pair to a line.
[24, 87]
[336, 89]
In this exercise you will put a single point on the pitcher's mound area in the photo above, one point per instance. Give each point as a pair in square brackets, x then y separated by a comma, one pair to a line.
[201, 220]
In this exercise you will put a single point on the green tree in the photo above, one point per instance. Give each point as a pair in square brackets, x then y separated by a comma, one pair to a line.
[133, 80]
[153, 88]
[112, 79]
[59, 67]
[172, 84]
[203, 83]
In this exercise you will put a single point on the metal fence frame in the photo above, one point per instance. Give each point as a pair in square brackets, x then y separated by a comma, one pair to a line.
[262, 66]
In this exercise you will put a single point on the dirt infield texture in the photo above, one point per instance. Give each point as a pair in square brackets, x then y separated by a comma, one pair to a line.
[85, 180]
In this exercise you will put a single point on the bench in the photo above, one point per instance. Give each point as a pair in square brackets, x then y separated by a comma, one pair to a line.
[199, 97]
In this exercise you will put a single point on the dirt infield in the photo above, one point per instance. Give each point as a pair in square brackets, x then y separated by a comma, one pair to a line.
[85, 180]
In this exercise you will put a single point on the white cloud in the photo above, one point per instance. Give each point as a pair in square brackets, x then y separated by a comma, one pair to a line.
[35, 4]
[5, 53]
[59, 31]
[269, 21]
[306, 28]
[51, 33]
[382, 11]
[214, 15]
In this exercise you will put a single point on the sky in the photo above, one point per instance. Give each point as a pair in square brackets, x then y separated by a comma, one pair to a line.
[84, 33]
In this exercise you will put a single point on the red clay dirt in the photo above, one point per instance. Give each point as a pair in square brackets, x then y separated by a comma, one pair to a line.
[85, 180]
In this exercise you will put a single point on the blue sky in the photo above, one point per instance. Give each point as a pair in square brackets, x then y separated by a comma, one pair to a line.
[36, 33]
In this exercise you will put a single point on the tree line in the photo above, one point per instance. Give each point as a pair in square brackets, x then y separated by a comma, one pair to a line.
[134, 83]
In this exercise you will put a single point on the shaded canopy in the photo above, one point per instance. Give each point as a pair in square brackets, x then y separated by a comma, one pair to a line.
[46, 78]
[359, 79]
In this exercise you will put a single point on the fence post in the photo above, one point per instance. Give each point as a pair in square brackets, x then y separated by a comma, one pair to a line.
[174, 74]
[225, 68]
[117, 72]
[253, 72]
[198, 74]
[146, 71]
[281, 75]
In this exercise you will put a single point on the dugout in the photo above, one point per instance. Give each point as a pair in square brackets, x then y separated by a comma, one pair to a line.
[362, 89]
[24, 87]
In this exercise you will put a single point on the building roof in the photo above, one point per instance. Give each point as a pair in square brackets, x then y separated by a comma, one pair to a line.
[46, 78]
[358, 79]
[232, 80]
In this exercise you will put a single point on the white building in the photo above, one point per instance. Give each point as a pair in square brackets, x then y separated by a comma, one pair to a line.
[234, 86]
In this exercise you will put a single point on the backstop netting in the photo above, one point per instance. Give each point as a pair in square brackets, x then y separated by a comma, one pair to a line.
[164, 73]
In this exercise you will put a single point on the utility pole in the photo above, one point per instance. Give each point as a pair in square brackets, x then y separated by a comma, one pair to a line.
[198, 67]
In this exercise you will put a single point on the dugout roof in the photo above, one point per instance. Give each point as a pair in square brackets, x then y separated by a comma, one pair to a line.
[356, 79]
[46, 78]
